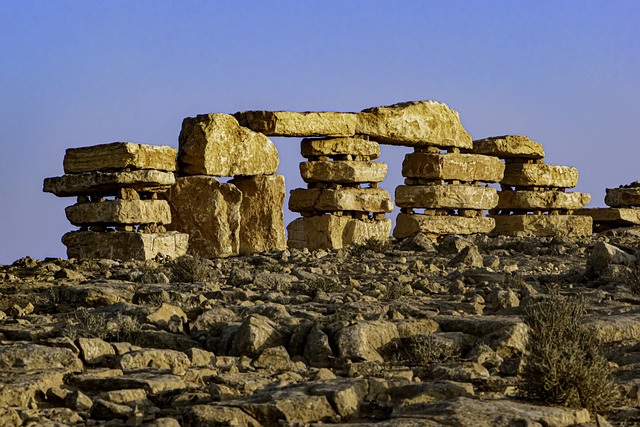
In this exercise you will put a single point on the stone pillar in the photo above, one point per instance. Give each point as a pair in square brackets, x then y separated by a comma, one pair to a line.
[623, 211]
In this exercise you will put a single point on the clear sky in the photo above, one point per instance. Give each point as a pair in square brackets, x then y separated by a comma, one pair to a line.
[78, 73]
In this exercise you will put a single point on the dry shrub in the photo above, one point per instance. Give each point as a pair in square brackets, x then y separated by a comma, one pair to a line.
[427, 349]
[565, 364]
[118, 328]
[371, 244]
[189, 269]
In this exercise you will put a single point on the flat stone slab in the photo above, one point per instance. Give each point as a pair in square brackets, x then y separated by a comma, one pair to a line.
[446, 197]
[108, 183]
[343, 199]
[540, 175]
[541, 200]
[435, 226]
[343, 171]
[453, 166]
[299, 124]
[623, 197]
[116, 212]
[355, 146]
[509, 147]
[613, 217]
[124, 245]
[542, 225]
[118, 156]
[216, 145]
[334, 232]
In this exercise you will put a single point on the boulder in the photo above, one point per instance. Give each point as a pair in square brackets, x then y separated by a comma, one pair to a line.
[435, 226]
[209, 212]
[542, 225]
[509, 147]
[294, 124]
[342, 199]
[22, 389]
[452, 166]
[95, 351]
[334, 232]
[108, 183]
[604, 255]
[262, 216]
[343, 172]
[363, 340]
[154, 358]
[255, 334]
[354, 146]
[541, 200]
[215, 144]
[446, 197]
[539, 175]
[118, 156]
[111, 212]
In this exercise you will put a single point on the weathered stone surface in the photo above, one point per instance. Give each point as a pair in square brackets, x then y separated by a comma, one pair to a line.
[434, 226]
[256, 334]
[34, 356]
[415, 123]
[446, 197]
[108, 183]
[542, 225]
[344, 172]
[20, 389]
[215, 144]
[617, 327]
[355, 146]
[262, 222]
[95, 350]
[124, 245]
[534, 200]
[343, 199]
[118, 156]
[623, 197]
[361, 342]
[463, 167]
[604, 255]
[334, 232]
[285, 123]
[111, 212]
[540, 175]
[613, 217]
[216, 415]
[508, 147]
[154, 358]
[209, 211]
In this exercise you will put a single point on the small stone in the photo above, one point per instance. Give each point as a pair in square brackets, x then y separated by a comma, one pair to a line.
[469, 256]
[119, 156]
[274, 359]
[417, 242]
[355, 146]
[105, 410]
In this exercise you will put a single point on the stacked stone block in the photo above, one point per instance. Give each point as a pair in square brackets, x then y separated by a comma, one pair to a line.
[533, 200]
[118, 210]
[623, 210]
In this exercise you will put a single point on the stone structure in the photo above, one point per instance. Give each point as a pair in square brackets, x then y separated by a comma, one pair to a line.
[532, 200]
[118, 210]
[623, 210]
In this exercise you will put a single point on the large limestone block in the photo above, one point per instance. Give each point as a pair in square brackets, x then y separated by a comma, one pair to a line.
[542, 225]
[446, 197]
[541, 200]
[209, 211]
[613, 217]
[344, 172]
[434, 226]
[540, 175]
[285, 123]
[108, 183]
[334, 232]
[124, 245]
[623, 197]
[509, 147]
[463, 167]
[113, 212]
[415, 123]
[343, 199]
[262, 216]
[215, 144]
[356, 146]
[118, 156]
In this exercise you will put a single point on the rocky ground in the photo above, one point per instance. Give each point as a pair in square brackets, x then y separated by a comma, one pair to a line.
[401, 334]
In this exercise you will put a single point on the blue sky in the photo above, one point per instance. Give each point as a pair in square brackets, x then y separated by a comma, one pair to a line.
[78, 73]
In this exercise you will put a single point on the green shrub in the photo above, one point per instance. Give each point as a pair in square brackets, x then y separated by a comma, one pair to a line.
[564, 364]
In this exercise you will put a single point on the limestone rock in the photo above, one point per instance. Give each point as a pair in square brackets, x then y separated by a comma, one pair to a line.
[469, 256]
[463, 167]
[344, 172]
[415, 123]
[118, 156]
[165, 314]
[20, 389]
[354, 146]
[124, 245]
[256, 334]
[334, 232]
[262, 222]
[623, 327]
[112, 212]
[603, 255]
[446, 197]
[540, 175]
[623, 197]
[434, 226]
[154, 358]
[509, 147]
[612, 217]
[34, 356]
[361, 341]
[209, 211]
[216, 415]
[95, 351]
[285, 123]
[215, 144]
[289, 406]
[108, 183]
[274, 359]
[542, 200]
[542, 225]
[343, 199]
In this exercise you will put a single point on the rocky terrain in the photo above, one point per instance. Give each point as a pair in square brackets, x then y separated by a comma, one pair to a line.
[406, 333]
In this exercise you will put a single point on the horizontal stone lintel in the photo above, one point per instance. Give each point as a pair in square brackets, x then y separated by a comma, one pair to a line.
[542, 200]
[343, 172]
[542, 225]
[119, 212]
[355, 146]
[623, 197]
[343, 199]
[435, 226]
[119, 156]
[540, 175]
[108, 183]
[446, 197]
[124, 245]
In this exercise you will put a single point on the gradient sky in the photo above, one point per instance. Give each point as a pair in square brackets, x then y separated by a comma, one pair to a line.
[78, 73]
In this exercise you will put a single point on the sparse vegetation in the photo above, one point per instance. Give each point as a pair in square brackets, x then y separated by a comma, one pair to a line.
[427, 349]
[565, 364]
[372, 244]
[91, 325]
[189, 269]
